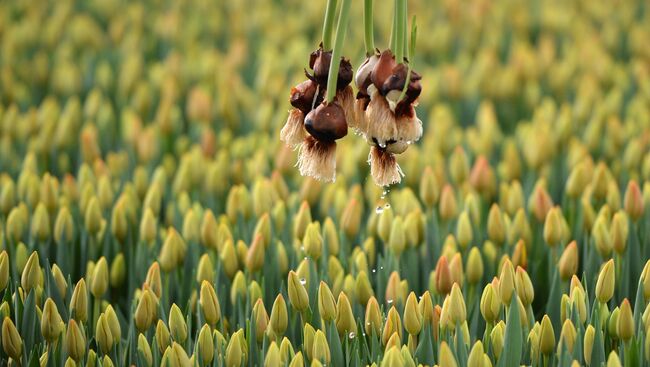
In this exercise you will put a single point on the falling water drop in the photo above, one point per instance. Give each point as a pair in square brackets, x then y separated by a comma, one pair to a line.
[379, 209]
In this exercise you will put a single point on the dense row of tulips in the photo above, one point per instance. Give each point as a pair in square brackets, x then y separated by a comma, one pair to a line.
[150, 216]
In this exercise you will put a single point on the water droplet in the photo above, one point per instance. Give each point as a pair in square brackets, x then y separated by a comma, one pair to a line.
[384, 193]
[302, 248]
[303, 281]
[364, 334]
[387, 206]
[381, 268]
[389, 301]
[352, 335]
[379, 209]
[368, 323]
[374, 270]
[409, 142]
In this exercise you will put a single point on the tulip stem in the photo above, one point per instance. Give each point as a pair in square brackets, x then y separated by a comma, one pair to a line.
[341, 29]
[411, 51]
[328, 24]
[368, 28]
[400, 29]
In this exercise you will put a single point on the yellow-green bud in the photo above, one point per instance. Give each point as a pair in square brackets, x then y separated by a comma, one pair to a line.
[4, 270]
[99, 281]
[490, 304]
[209, 230]
[506, 282]
[613, 360]
[364, 288]
[75, 341]
[279, 317]
[51, 322]
[79, 302]
[567, 336]
[172, 253]
[392, 325]
[474, 266]
[297, 292]
[234, 352]
[263, 228]
[464, 232]
[475, 358]
[326, 302]
[15, 225]
[205, 269]
[446, 356]
[619, 232]
[40, 223]
[162, 335]
[373, 318]
[153, 281]
[546, 336]
[63, 226]
[313, 241]
[495, 225]
[458, 311]
[272, 357]
[146, 311]
[113, 324]
[31, 276]
[301, 220]
[384, 224]
[625, 325]
[393, 357]
[412, 317]
[351, 218]
[118, 271]
[209, 302]
[238, 288]
[255, 254]
[553, 227]
[119, 222]
[93, 216]
[321, 349]
[148, 227]
[11, 340]
[177, 325]
[429, 187]
[205, 345]
[605, 283]
[568, 263]
[261, 318]
[397, 238]
[103, 335]
[588, 343]
[345, 322]
[308, 341]
[297, 360]
[524, 285]
[330, 237]
[496, 337]
[633, 201]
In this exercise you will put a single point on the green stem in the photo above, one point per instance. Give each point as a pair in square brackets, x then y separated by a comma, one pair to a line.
[368, 28]
[328, 24]
[400, 30]
[393, 29]
[341, 29]
[404, 28]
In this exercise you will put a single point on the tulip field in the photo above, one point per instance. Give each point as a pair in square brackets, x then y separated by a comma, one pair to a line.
[288, 183]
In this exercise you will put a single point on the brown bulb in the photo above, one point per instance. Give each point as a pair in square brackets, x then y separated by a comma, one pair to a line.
[383, 69]
[302, 96]
[326, 122]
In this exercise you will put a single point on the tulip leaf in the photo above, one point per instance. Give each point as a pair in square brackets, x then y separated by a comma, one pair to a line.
[513, 340]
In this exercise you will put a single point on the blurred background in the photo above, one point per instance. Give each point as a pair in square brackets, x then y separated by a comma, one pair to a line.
[154, 82]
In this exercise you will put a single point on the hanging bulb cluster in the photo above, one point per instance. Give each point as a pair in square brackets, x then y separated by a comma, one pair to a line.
[383, 111]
